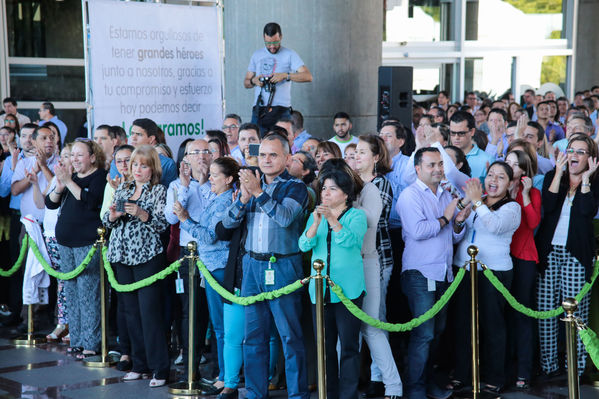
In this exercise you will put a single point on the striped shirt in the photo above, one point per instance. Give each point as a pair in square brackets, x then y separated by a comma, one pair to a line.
[275, 219]
[383, 240]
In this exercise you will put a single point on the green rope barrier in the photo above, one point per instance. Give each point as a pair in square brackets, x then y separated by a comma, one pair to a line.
[591, 343]
[248, 300]
[55, 273]
[19, 262]
[546, 314]
[173, 267]
[426, 316]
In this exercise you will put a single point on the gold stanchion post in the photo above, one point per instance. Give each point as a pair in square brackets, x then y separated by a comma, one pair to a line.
[473, 251]
[570, 305]
[30, 339]
[320, 350]
[102, 360]
[191, 387]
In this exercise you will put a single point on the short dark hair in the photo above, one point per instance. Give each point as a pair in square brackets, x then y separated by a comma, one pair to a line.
[460, 116]
[11, 100]
[279, 130]
[540, 130]
[50, 107]
[250, 126]
[335, 167]
[36, 132]
[444, 92]
[217, 134]
[309, 165]
[271, 29]
[27, 126]
[592, 88]
[507, 168]
[512, 124]
[400, 130]
[149, 126]
[298, 119]
[544, 102]
[530, 91]
[342, 115]
[233, 116]
[117, 131]
[460, 157]
[500, 112]
[107, 128]
[421, 151]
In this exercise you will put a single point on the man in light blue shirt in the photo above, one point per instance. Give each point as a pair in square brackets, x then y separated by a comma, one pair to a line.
[461, 131]
[47, 113]
[430, 228]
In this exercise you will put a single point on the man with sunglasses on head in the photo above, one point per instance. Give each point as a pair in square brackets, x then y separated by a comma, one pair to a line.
[270, 73]
[461, 132]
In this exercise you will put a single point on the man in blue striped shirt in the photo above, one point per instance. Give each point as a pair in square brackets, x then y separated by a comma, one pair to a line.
[273, 206]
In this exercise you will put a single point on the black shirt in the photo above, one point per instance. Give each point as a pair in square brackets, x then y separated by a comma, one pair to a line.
[78, 220]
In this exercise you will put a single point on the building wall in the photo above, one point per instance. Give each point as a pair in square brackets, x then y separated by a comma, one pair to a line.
[340, 43]
[587, 43]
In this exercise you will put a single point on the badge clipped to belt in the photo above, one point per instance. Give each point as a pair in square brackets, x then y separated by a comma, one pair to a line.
[269, 274]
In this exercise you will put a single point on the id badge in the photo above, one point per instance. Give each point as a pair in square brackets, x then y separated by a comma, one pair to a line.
[269, 277]
[179, 286]
[431, 284]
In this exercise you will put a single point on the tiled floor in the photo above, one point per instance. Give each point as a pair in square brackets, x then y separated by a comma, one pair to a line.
[46, 372]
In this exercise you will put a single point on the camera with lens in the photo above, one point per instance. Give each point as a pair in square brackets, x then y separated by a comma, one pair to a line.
[267, 84]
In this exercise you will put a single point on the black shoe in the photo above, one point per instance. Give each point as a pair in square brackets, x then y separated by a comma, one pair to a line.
[375, 389]
[230, 395]
[124, 365]
[209, 389]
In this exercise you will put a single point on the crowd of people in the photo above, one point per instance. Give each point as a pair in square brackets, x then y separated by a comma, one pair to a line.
[390, 213]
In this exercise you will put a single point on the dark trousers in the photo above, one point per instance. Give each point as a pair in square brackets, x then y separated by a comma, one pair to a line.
[143, 313]
[522, 337]
[343, 371]
[492, 333]
[201, 313]
[16, 233]
[121, 323]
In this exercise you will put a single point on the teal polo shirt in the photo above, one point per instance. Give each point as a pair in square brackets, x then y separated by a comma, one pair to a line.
[478, 159]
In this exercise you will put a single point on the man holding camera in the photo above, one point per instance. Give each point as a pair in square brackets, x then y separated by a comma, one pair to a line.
[270, 72]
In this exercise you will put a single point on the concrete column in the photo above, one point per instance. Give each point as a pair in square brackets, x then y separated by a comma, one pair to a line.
[587, 43]
[339, 41]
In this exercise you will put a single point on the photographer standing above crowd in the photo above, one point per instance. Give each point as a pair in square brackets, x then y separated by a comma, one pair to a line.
[270, 73]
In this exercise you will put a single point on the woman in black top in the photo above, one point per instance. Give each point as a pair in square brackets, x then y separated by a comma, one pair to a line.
[79, 197]
[566, 241]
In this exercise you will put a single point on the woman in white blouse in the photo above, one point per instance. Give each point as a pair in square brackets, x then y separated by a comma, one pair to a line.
[490, 227]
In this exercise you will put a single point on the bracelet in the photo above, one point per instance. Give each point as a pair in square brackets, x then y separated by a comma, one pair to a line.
[460, 205]
[443, 218]
[460, 224]
[252, 81]
[586, 184]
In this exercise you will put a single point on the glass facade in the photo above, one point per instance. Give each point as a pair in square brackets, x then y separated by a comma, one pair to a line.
[503, 44]
[40, 82]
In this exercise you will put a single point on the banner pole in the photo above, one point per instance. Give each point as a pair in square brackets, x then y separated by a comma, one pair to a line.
[102, 360]
[473, 251]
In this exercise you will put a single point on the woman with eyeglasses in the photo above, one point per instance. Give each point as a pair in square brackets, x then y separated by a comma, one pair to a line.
[12, 121]
[135, 250]
[566, 241]
[79, 198]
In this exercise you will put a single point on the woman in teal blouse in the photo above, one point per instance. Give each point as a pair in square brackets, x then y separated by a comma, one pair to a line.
[334, 233]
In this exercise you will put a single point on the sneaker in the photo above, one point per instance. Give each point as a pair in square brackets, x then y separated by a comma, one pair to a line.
[434, 392]
[179, 360]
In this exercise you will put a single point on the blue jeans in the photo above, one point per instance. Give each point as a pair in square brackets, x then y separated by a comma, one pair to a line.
[215, 308]
[234, 319]
[286, 312]
[424, 338]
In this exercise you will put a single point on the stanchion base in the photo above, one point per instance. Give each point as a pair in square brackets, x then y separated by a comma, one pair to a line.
[185, 388]
[98, 362]
[29, 340]
[480, 395]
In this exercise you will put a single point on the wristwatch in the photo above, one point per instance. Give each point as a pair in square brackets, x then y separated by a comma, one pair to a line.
[476, 205]
[288, 77]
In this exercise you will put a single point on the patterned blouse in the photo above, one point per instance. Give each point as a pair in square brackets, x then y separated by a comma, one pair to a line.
[132, 241]
[383, 240]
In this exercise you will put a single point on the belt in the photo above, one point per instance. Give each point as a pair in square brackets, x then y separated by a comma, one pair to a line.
[266, 256]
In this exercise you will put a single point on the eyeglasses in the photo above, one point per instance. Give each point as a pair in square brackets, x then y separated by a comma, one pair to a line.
[459, 134]
[579, 152]
[122, 161]
[198, 152]
[9, 121]
[272, 43]
[229, 127]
